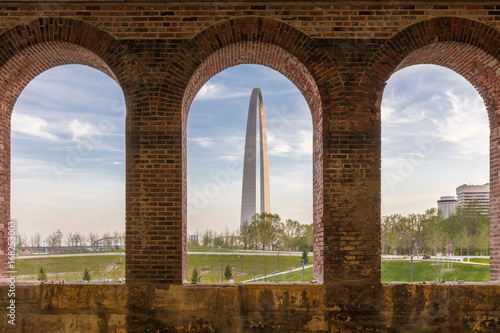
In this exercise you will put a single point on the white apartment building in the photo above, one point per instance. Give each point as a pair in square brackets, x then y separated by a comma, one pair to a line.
[467, 194]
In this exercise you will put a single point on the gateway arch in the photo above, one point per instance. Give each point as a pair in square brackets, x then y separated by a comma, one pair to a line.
[248, 197]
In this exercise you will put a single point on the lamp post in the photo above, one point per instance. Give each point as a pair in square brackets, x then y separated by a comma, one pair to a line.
[303, 268]
[265, 270]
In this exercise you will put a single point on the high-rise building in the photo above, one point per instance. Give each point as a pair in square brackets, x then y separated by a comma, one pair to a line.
[467, 194]
[248, 195]
[447, 205]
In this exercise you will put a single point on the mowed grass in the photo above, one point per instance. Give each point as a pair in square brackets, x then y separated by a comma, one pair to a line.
[480, 260]
[400, 271]
[243, 268]
[111, 267]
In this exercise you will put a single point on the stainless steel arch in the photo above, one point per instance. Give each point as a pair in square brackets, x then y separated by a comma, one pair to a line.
[248, 196]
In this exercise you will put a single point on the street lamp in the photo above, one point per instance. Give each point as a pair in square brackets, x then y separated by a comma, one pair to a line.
[265, 270]
[303, 268]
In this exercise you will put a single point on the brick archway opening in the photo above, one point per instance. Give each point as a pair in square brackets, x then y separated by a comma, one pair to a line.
[15, 74]
[483, 71]
[276, 58]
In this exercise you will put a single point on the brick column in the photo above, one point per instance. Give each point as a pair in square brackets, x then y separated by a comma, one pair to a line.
[4, 187]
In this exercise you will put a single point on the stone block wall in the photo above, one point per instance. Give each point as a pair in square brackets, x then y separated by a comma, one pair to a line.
[339, 54]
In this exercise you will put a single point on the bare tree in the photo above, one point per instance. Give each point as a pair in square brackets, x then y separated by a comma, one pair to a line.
[92, 238]
[36, 240]
[69, 239]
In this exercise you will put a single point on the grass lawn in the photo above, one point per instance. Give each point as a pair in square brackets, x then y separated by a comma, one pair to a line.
[295, 276]
[399, 271]
[210, 266]
[480, 260]
[71, 268]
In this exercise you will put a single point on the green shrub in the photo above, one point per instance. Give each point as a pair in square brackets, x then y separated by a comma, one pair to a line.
[42, 275]
[228, 272]
[196, 277]
[304, 255]
[86, 275]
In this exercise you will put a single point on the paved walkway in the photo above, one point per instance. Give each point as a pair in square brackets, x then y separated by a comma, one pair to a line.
[276, 274]
[34, 256]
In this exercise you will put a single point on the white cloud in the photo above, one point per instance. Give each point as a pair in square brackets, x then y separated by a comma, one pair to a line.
[31, 125]
[210, 91]
[81, 129]
[203, 142]
[294, 144]
[215, 90]
[466, 125]
[230, 157]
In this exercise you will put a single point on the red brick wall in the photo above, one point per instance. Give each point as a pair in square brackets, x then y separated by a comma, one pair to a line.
[338, 54]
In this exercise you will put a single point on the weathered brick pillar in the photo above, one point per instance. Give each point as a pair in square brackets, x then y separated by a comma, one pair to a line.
[352, 193]
[4, 185]
[154, 191]
[495, 198]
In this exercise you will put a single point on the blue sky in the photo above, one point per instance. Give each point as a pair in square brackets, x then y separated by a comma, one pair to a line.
[435, 137]
[68, 153]
[68, 147]
[216, 137]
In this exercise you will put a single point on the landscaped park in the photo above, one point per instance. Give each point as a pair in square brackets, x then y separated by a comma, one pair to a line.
[244, 266]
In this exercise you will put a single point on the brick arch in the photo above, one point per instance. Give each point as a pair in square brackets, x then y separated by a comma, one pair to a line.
[469, 48]
[277, 46]
[26, 52]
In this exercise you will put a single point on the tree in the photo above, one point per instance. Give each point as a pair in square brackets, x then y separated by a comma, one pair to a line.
[117, 238]
[36, 240]
[86, 275]
[54, 240]
[304, 255]
[308, 236]
[92, 238]
[246, 235]
[463, 240]
[207, 238]
[481, 240]
[267, 227]
[195, 277]
[228, 272]
[42, 274]
[21, 241]
[291, 231]
[218, 240]
[69, 239]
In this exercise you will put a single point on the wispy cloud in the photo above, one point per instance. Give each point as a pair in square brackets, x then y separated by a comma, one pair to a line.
[203, 142]
[465, 126]
[215, 91]
[32, 125]
[293, 144]
[81, 129]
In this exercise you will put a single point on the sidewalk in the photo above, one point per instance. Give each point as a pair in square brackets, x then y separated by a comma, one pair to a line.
[276, 274]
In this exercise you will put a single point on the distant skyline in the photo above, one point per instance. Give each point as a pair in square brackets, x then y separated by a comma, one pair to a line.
[68, 147]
